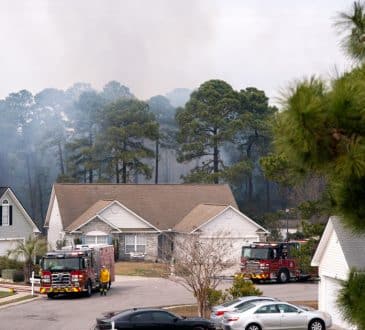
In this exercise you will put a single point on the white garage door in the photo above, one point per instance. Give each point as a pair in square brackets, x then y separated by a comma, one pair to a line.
[6, 245]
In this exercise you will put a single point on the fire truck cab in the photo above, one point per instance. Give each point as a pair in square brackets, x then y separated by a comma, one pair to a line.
[271, 261]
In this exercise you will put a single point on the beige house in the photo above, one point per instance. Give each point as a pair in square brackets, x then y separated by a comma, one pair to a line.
[141, 220]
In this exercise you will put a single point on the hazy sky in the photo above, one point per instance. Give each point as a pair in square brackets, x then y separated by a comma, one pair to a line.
[153, 46]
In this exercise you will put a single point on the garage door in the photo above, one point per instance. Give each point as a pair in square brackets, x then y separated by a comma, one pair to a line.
[6, 245]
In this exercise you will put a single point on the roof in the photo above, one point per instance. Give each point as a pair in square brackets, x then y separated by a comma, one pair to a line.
[198, 216]
[88, 214]
[162, 205]
[2, 190]
[352, 244]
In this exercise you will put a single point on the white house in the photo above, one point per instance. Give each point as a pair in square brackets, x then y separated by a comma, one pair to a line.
[15, 223]
[142, 220]
[338, 251]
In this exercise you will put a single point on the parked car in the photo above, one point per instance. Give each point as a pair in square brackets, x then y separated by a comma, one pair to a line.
[150, 318]
[274, 316]
[218, 311]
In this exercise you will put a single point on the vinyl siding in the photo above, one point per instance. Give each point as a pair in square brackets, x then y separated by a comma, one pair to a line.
[21, 227]
[122, 218]
[55, 230]
[333, 262]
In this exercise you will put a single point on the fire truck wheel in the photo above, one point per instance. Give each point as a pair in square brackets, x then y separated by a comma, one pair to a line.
[50, 295]
[283, 276]
[89, 289]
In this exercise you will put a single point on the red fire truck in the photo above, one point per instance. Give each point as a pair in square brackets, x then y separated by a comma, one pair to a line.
[75, 270]
[271, 261]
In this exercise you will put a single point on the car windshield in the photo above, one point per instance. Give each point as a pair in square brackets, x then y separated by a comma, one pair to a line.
[62, 263]
[255, 253]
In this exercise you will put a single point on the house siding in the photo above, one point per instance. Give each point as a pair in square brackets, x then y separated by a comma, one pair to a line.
[21, 227]
[96, 225]
[55, 230]
[122, 218]
[333, 262]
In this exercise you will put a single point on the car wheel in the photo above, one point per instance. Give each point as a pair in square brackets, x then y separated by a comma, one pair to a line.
[253, 326]
[283, 276]
[316, 325]
[89, 289]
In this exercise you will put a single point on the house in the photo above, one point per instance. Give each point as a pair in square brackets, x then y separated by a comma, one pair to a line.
[15, 222]
[338, 251]
[141, 220]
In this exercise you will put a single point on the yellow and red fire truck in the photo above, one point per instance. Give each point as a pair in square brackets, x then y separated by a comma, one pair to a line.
[271, 261]
[75, 270]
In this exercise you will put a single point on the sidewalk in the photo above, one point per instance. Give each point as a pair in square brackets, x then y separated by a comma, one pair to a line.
[21, 291]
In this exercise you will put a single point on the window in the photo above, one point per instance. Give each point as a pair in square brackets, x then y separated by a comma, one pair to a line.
[135, 243]
[5, 213]
[267, 309]
[141, 317]
[96, 239]
[163, 317]
[287, 309]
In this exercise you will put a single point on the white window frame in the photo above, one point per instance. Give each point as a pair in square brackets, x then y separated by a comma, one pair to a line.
[138, 241]
[5, 214]
[96, 239]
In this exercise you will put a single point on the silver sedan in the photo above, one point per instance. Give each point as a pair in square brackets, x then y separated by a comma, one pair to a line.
[276, 316]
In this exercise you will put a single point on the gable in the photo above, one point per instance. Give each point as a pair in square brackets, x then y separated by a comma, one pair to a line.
[122, 218]
[22, 224]
[333, 262]
[162, 205]
[233, 224]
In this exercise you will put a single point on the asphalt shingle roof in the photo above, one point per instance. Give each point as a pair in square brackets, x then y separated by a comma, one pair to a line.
[162, 205]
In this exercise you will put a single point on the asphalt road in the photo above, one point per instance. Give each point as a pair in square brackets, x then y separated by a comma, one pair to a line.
[75, 313]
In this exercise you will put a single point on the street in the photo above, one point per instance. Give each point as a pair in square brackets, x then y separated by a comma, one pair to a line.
[75, 313]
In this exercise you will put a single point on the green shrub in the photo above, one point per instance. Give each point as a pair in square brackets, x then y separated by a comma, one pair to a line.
[8, 263]
[215, 297]
[242, 287]
[18, 276]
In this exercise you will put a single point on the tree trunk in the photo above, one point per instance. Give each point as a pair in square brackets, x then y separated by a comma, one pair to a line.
[215, 158]
[60, 156]
[91, 174]
[124, 173]
[268, 196]
[156, 160]
[30, 186]
[117, 171]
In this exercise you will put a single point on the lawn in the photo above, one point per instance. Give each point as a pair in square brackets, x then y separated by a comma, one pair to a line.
[4, 294]
[142, 268]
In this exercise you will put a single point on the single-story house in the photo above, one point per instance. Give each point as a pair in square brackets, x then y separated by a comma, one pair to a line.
[141, 220]
[15, 223]
[338, 251]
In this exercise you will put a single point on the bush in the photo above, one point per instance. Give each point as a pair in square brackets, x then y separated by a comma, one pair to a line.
[242, 287]
[215, 297]
[18, 276]
[8, 263]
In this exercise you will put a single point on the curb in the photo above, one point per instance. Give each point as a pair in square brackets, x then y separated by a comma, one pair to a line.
[10, 303]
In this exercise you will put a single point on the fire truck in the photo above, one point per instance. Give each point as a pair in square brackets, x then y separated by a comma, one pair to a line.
[75, 270]
[271, 262]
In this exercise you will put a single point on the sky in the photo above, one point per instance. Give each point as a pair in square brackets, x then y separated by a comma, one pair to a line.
[154, 46]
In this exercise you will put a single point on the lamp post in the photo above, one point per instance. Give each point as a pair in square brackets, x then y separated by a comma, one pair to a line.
[287, 224]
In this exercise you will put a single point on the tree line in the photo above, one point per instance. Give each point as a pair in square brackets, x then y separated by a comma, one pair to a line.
[82, 135]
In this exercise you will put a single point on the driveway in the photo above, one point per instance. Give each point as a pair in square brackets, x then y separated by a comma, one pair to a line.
[74, 313]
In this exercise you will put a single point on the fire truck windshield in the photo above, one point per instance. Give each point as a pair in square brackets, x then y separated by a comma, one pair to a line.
[256, 253]
[62, 264]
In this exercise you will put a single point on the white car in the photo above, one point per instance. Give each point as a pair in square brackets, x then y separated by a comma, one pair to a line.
[218, 311]
[276, 316]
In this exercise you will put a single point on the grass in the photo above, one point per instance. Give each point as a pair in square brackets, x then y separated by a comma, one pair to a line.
[4, 294]
[17, 300]
[142, 268]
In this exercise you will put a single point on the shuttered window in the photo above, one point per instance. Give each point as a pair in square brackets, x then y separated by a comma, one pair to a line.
[6, 214]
